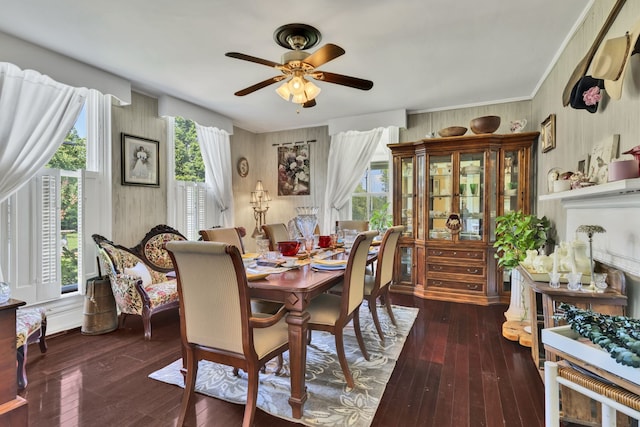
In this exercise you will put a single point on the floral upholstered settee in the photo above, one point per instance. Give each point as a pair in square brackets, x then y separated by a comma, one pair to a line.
[138, 275]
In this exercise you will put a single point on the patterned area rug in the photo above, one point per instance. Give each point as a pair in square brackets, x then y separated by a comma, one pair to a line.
[330, 402]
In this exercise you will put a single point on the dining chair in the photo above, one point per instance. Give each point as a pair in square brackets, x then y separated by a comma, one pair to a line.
[352, 225]
[377, 286]
[229, 235]
[213, 291]
[331, 313]
[275, 233]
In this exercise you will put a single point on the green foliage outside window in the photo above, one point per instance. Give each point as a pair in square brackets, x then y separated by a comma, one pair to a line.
[71, 156]
[189, 165]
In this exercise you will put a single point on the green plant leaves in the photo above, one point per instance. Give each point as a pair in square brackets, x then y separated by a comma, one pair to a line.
[516, 233]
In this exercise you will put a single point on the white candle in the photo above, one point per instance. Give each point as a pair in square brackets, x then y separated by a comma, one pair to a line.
[555, 262]
[572, 258]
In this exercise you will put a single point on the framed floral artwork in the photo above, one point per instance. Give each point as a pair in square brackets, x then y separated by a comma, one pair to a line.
[294, 170]
[140, 161]
[548, 133]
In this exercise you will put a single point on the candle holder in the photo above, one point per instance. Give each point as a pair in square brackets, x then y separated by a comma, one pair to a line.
[590, 230]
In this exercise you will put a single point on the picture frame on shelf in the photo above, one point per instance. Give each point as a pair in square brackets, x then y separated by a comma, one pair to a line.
[583, 164]
[140, 161]
[548, 133]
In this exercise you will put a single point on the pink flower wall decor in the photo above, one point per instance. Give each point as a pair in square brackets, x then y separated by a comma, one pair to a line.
[592, 96]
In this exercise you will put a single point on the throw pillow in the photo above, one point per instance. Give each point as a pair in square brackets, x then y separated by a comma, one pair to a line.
[141, 271]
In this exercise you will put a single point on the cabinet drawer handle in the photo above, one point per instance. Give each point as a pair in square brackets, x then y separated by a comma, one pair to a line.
[437, 283]
[472, 254]
[474, 271]
[436, 253]
[455, 253]
[437, 267]
[472, 287]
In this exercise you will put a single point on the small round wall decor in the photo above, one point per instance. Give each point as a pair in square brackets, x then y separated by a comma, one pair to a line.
[243, 167]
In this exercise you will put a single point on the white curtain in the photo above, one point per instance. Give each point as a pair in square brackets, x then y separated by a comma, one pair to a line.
[349, 156]
[216, 154]
[36, 114]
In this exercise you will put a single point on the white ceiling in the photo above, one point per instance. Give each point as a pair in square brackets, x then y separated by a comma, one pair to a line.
[422, 55]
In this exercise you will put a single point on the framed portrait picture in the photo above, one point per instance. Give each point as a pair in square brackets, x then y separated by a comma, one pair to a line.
[548, 133]
[140, 161]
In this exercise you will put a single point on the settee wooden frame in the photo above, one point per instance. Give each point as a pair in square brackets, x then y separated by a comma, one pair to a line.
[142, 252]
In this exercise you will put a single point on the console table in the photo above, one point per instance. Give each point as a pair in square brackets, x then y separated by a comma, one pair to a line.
[544, 301]
[13, 408]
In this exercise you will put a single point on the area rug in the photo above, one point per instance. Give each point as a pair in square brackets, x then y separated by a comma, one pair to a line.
[330, 402]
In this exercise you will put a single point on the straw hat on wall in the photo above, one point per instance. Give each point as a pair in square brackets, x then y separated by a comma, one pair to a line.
[611, 60]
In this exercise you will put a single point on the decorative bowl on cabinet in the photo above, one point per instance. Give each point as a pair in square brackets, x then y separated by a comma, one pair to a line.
[485, 124]
[452, 131]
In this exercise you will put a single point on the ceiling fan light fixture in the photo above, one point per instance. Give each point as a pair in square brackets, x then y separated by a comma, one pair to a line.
[283, 91]
[300, 98]
[296, 85]
[311, 90]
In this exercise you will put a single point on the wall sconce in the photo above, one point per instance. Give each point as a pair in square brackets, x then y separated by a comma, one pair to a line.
[260, 202]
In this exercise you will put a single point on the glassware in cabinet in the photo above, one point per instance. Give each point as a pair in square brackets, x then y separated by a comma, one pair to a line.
[440, 201]
[471, 195]
[406, 195]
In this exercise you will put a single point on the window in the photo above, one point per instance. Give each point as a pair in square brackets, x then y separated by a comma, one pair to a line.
[372, 193]
[190, 188]
[46, 226]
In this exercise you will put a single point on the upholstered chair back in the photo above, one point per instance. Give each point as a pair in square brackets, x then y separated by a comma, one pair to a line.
[275, 233]
[353, 225]
[386, 255]
[212, 288]
[354, 274]
[230, 236]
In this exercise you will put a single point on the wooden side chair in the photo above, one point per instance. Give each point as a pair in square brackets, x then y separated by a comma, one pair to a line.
[31, 327]
[229, 235]
[378, 286]
[331, 313]
[275, 233]
[213, 290]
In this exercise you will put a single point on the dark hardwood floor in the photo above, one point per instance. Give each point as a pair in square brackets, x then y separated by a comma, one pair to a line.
[456, 369]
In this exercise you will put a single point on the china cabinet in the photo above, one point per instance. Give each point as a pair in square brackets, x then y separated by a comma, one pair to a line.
[447, 193]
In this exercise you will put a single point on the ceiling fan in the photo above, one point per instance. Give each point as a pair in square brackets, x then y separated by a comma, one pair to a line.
[297, 65]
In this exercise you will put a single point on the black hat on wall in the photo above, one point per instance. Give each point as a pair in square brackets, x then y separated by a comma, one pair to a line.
[586, 94]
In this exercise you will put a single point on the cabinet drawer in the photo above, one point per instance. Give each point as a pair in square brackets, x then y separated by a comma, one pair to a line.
[460, 254]
[473, 270]
[456, 285]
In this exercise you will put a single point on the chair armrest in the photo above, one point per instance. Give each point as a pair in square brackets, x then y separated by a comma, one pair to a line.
[265, 322]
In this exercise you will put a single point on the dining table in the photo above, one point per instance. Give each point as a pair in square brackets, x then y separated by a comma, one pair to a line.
[296, 288]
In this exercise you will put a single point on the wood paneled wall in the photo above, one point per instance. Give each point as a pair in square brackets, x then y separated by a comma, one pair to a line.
[137, 209]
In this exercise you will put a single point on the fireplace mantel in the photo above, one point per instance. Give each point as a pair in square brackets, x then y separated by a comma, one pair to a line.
[616, 207]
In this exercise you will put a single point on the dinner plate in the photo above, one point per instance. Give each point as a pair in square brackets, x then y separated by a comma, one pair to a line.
[331, 267]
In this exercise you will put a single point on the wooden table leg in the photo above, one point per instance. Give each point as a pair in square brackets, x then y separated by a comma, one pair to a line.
[297, 322]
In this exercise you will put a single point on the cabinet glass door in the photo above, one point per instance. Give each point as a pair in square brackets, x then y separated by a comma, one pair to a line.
[420, 196]
[406, 195]
[440, 196]
[471, 190]
[406, 264]
[511, 181]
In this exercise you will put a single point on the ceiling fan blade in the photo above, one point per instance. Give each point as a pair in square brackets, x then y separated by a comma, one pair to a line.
[343, 80]
[326, 53]
[309, 104]
[265, 83]
[250, 58]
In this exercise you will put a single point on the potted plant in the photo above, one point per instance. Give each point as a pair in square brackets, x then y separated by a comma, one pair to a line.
[381, 219]
[516, 233]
